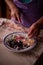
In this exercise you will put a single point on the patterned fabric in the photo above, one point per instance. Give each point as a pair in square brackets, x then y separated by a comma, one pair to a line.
[30, 57]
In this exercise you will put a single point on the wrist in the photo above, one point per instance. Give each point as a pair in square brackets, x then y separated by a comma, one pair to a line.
[39, 25]
[13, 8]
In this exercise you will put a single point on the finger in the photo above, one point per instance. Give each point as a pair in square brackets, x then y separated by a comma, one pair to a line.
[30, 31]
[37, 34]
[18, 18]
[31, 36]
[14, 16]
[33, 33]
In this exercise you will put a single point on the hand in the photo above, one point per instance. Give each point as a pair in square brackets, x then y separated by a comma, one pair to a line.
[15, 13]
[34, 30]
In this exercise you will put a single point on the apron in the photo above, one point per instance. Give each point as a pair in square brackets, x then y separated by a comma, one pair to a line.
[30, 12]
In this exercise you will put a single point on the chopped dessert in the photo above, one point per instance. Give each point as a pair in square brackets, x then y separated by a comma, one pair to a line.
[20, 42]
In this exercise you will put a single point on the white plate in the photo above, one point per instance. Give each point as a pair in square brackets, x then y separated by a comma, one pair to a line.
[22, 50]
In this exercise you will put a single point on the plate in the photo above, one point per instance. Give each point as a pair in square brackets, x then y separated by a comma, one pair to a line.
[11, 35]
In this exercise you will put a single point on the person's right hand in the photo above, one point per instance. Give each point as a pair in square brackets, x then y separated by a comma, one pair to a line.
[15, 13]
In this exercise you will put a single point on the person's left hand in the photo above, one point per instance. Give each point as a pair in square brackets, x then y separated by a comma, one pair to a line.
[33, 31]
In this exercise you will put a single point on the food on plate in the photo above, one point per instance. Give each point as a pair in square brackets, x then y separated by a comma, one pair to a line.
[28, 41]
[20, 42]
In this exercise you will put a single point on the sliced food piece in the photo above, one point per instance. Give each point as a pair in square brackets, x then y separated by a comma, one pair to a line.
[28, 41]
[31, 41]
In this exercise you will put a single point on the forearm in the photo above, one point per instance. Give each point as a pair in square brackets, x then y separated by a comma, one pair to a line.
[40, 22]
[10, 4]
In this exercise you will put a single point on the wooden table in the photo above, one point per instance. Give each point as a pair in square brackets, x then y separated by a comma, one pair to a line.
[10, 58]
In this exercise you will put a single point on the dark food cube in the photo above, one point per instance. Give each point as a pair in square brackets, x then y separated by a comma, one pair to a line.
[15, 46]
[20, 44]
[15, 42]
[26, 46]
[19, 48]
[11, 43]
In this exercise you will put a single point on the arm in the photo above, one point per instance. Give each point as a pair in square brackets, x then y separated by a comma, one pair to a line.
[10, 4]
[35, 28]
[15, 13]
[40, 23]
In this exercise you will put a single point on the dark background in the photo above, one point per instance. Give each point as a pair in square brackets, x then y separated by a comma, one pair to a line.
[4, 9]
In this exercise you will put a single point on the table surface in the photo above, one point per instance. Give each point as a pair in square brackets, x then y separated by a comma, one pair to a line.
[10, 58]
